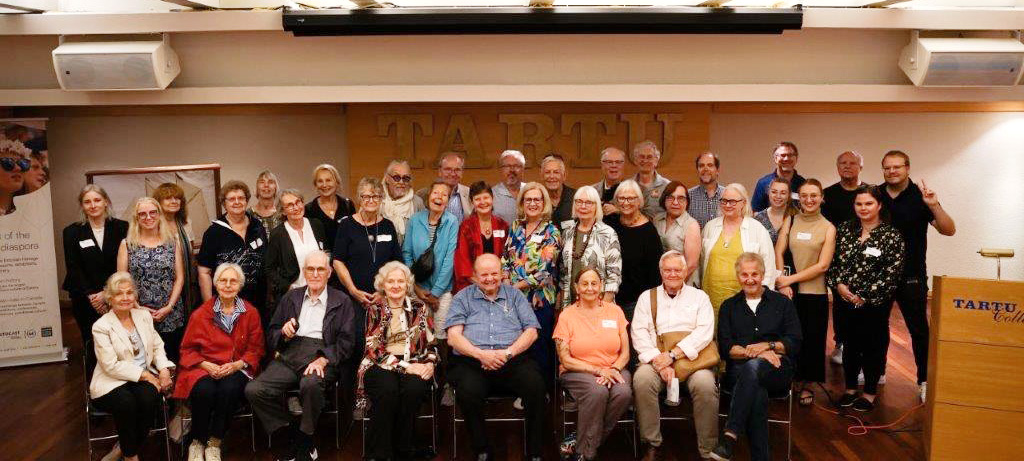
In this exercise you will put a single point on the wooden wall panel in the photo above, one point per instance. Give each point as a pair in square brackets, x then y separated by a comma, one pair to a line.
[970, 433]
[378, 133]
[982, 376]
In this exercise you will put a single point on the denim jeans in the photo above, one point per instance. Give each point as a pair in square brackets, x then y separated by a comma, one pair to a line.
[751, 384]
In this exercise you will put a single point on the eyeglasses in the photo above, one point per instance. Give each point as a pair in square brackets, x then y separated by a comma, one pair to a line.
[730, 202]
[148, 214]
[451, 170]
[229, 282]
[613, 162]
[241, 199]
[512, 166]
[581, 202]
[296, 204]
[369, 198]
[646, 158]
[316, 270]
[400, 178]
[10, 163]
[676, 198]
[627, 199]
[533, 200]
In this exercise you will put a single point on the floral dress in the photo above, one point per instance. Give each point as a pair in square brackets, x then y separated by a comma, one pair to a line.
[152, 270]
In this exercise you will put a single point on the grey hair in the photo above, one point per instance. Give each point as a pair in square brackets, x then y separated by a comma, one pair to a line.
[589, 193]
[114, 281]
[853, 153]
[460, 157]
[630, 184]
[553, 158]
[232, 266]
[739, 189]
[395, 163]
[391, 266]
[642, 146]
[671, 254]
[320, 254]
[607, 150]
[514, 154]
[748, 257]
[291, 191]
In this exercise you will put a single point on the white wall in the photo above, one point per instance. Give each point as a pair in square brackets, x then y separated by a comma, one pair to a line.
[974, 162]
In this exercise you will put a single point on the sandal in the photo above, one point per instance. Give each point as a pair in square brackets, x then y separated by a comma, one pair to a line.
[806, 397]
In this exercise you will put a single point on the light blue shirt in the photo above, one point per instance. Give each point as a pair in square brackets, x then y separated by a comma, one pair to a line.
[454, 205]
[505, 206]
[227, 322]
[488, 324]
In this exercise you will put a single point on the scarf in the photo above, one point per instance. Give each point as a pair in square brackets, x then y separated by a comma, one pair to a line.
[398, 210]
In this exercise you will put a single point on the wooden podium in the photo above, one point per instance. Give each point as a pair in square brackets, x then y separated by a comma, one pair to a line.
[975, 370]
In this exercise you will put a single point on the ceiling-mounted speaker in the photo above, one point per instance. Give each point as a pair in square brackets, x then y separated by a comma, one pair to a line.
[113, 66]
[971, 62]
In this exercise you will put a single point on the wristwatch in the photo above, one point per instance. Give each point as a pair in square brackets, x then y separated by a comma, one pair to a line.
[672, 354]
[771, 345]
[508, 354]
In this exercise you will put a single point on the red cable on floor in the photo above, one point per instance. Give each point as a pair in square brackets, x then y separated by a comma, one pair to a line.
[860, 428]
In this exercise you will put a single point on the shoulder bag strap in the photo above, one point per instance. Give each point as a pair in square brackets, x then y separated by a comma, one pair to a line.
[654, 308]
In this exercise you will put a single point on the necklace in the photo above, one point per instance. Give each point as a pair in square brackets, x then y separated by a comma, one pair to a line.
[583, 247]
[371, 240]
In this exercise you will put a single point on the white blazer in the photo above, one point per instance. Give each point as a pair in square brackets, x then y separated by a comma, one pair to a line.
[114, 353]
[755, 239]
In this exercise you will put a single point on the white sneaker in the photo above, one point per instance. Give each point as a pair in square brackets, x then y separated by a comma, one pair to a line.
[195, 451]
[860, 379]
[518, 404]
[837, 355]
[924, 390]
[115, 453]
[212, 453]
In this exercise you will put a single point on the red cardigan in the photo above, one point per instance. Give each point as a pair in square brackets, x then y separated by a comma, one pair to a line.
[471, 245]
[205, 340]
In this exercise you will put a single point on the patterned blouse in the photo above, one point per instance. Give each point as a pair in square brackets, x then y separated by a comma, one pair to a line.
[153, 271]
[870, 269]
[762, 217]
[534, 259]
[601, 251]
[422, 347]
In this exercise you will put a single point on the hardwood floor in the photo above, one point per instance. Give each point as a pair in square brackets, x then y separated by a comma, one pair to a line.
[44, 409]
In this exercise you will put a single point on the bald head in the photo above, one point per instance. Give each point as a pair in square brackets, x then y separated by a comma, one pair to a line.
[487, 273]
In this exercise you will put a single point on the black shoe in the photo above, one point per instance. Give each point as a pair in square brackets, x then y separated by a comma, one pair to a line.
[483, 457]
[723, 452]
[306, 447]
[283, 443]
[847, 400]
[863, 405]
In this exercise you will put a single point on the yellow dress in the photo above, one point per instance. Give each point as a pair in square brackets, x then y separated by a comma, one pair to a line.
[720, 275]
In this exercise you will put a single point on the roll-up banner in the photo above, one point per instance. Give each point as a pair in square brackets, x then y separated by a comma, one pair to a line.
[29, 308]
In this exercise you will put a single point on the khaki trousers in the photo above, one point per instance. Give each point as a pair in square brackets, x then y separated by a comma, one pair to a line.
[647, 387]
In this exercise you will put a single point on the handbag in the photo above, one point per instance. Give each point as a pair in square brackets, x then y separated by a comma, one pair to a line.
[788, 266]
[684, 367]
[423, 267]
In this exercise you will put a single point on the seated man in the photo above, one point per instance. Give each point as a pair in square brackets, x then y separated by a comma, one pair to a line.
[312, 332]
[680, 307]
[758, 333]
[490, 325]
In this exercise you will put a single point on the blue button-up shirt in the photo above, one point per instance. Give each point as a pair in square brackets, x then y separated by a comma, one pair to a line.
[224, 321]
[491, 325]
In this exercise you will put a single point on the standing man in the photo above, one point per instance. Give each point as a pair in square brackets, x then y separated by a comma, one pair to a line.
[646, 157]
[913, 208]
[613, 171]
[449, 169]
[265, 208]
[313, 331]
[552, 170]
[784, 155]
[490, 327]
[678, 308]
[399, 201]
[838, 208]
[506, 193]
[704, 197]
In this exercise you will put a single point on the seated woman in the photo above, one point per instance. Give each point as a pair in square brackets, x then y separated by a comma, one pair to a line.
[593, 348]
[399, 363]
[220, 353]
[131, 366]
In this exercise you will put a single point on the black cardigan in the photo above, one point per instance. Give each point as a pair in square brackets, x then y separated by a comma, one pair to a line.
[88, 268]
[281, 263]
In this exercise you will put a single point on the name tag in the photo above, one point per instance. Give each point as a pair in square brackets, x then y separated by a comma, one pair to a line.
[803, 235]
[794, 196]
[86, 243]
[872, 251]
[499, 233]
[383, 237]
[537, 238]
[609, 324]
[256, 243]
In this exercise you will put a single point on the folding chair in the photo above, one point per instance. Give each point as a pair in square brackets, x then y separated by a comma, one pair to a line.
[629, 418]
[788, 422]
[490, 400]
[432, 416]
[243, 412]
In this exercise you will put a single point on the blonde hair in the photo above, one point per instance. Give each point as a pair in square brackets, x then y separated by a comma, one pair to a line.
[545, 214]
[134, 238]
[102, 193]
[330, 169]
[739, 189]
[378, 280]
[229, 266]
[113, 284]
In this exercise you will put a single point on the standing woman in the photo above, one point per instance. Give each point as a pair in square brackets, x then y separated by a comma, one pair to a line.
[640, 243]
[397, 369]
[289, 244]
[529, 262]
[589, 242]
[725, 238]
[811, 239]
[235, 238]
[678, 230]
[436, 231]
[869, 260]
[328, 207]
[90, 256]
[481, 232]
[220, 353]
[152, 255]
[131, 366]
[266, 208]
[780, 207]
[172, 201]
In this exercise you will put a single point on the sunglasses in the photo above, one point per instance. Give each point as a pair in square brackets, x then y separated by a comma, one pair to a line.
[401, 178]
[11, 163]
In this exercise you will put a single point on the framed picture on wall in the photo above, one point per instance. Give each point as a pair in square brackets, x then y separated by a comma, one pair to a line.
[200, 183]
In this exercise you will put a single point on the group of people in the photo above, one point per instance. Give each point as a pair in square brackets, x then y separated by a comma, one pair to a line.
[502, 290]
[24, 165]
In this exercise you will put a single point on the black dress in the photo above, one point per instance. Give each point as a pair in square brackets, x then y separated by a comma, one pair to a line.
[345, 208]
[365, 249]
[222, 245]
[88, 266]
[641, 250]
